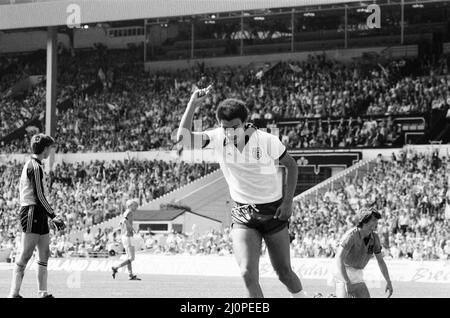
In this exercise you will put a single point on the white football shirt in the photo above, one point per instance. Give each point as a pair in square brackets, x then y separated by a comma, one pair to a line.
[252, 176]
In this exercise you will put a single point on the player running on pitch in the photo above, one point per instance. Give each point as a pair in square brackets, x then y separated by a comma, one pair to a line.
[248, 158]
[34, 213]
[354, 252]
[127, 239]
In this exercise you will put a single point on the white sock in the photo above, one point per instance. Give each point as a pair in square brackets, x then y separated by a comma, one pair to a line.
[17, 277]
[300, 294]
[41, 276]
[42, 293]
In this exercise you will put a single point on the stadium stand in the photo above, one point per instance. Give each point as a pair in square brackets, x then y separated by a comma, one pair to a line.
[102, 120]
[417, 230]
[410, 190]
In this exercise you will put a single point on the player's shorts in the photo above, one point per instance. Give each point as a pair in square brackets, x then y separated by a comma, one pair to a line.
[127, 242]
[33, 219]
[258, 217]
[354, 274]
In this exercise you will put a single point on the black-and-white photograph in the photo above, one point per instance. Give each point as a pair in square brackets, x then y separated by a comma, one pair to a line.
[225, 149]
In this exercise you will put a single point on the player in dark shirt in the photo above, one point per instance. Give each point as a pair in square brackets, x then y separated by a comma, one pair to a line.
[356, 248]
[34, 213]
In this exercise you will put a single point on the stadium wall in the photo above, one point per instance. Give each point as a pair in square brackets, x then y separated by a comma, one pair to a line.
[86, 38]
[306, 268]
[200, 223]
[188, 221]
[106, 156]
[122, 37]
[207, 155]
[28, 41]
[342, 55]
[54, 13]
[360, 168]
[200, 156]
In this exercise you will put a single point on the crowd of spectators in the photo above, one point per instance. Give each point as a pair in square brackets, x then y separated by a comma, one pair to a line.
[411, 192]
[342, 133]
[23, 99]
[107, 242]
[137, 110]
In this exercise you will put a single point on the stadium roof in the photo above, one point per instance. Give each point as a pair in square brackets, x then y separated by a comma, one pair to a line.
[163, 215]
[157, 215]
[43, 13]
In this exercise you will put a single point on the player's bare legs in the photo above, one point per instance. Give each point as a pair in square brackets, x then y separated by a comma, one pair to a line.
[130, 268]
[131, 256]
[247, 249]
[124, 263]
[279, 253]
[360, 290]
[42, 261]
[341, 290]
[127, 262]
[28, 244]
[130, 251]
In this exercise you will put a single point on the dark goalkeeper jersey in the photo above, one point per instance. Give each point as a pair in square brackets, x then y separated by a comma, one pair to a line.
[31, 186]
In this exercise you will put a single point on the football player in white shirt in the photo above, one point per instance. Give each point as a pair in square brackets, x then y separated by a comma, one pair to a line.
[249, 159]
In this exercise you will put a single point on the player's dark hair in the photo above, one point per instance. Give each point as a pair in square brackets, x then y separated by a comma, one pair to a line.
[230, 109]
[368, 217]
[39, 142]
